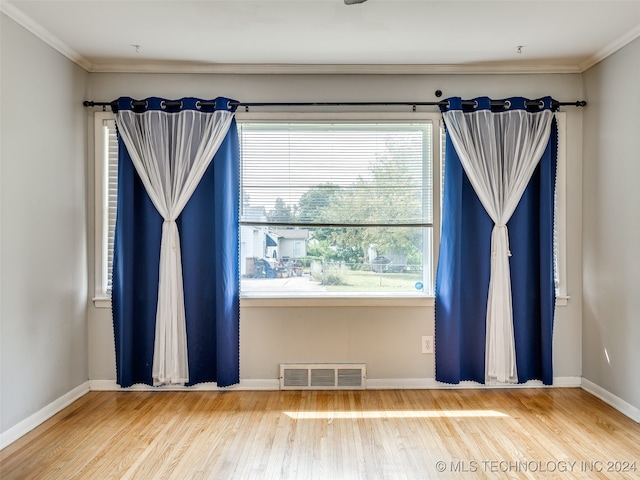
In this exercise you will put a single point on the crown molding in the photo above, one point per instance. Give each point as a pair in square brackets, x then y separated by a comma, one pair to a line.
[610, 49]
[330, 69]
[43, 34]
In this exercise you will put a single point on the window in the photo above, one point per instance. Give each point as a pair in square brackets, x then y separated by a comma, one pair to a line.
[105, 185]
[337, 207]
[330, 208]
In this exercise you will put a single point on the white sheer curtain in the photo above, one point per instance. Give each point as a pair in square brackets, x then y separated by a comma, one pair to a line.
[499, 152]
[171, 152]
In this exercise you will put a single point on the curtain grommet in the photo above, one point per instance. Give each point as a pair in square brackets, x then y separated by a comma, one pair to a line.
[507, 104]
[199, 105]
[171, 104]
[133, 106]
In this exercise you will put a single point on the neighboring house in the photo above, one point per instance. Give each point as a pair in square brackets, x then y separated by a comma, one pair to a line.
[252, 245]
[291, 243]
[267, 243]
[252, 239]
[271, 242]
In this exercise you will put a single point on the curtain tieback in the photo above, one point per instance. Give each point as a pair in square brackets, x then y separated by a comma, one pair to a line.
[506, 234]
[167, 222]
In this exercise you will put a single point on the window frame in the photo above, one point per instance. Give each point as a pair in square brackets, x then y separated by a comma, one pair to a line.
[277, 299]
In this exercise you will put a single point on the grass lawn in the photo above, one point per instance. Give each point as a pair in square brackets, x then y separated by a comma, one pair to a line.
[359, 281]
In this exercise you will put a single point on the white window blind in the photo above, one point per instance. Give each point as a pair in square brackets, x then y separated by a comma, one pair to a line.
[106, 199]
[335, 174]
[111, 194]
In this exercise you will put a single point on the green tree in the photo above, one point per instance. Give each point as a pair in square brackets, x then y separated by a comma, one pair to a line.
[315, 207]
[281, 212]
[313, 204]
[391, 193]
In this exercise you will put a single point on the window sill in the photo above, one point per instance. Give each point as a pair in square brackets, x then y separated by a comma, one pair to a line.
[262, 301]
[277, 302]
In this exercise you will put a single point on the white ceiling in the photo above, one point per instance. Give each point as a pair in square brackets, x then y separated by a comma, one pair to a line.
[326, 36]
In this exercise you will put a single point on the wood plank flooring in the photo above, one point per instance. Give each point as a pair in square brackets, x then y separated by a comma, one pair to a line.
[371, 434]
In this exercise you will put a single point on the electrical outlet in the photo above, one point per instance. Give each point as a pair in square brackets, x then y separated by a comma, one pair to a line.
[427, 344]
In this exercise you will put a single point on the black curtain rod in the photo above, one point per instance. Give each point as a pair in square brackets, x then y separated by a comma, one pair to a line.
[441, 103]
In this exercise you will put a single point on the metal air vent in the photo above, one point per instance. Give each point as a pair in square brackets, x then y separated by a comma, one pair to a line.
[322, 376]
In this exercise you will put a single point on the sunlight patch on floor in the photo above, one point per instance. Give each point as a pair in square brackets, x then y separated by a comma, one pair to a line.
[395, 414]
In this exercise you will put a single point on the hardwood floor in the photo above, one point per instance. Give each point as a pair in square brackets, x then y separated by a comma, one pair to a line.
[371, 434]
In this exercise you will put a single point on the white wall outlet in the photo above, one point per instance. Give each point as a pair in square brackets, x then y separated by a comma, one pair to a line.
[427, 344]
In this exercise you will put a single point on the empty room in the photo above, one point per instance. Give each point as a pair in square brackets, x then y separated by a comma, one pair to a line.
[319, 239]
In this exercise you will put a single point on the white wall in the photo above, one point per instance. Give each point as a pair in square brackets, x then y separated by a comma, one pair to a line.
[43, 256]
[611, 218]
[386, 338]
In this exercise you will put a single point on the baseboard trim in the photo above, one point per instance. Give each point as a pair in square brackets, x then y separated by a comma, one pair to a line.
[25, 426]
[371, 384]
[245, 384]
[609, 398]
[433, 384]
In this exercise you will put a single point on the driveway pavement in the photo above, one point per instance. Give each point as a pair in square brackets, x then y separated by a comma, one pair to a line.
[291, 284]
